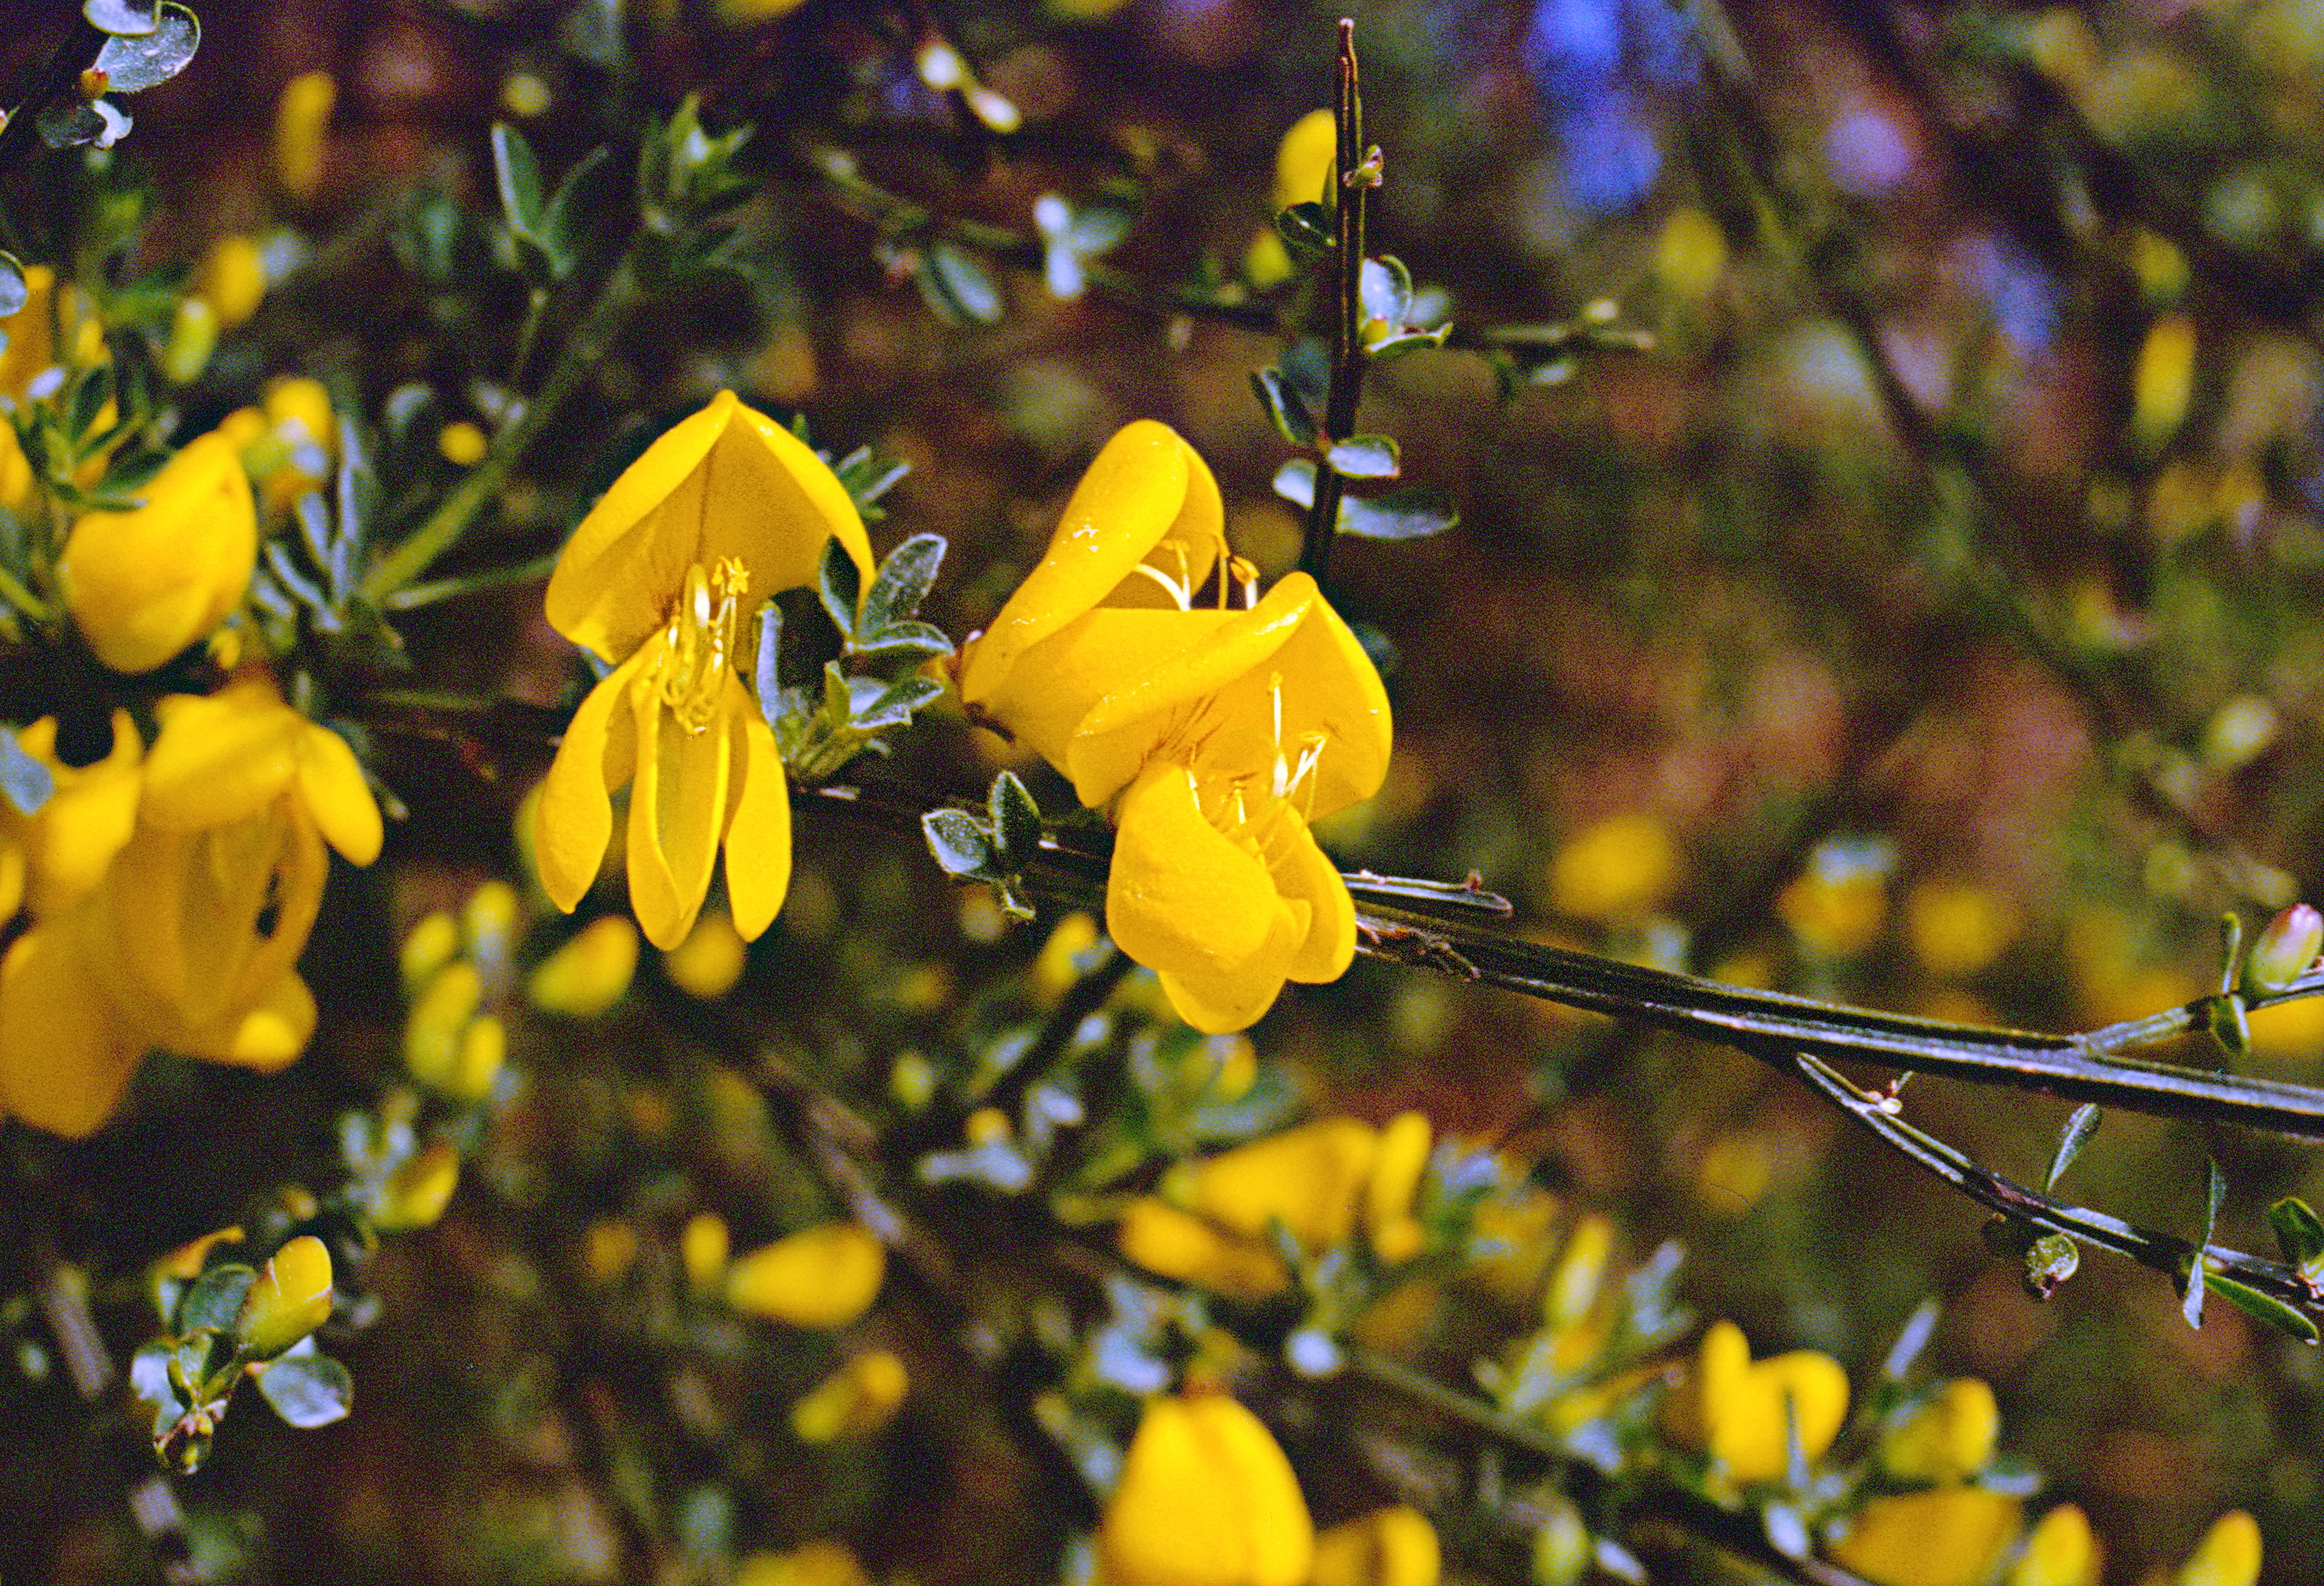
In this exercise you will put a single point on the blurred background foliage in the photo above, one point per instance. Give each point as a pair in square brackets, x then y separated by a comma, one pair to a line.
[1885, 442]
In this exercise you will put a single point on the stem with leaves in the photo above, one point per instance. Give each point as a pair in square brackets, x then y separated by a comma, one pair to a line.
[1352, 188]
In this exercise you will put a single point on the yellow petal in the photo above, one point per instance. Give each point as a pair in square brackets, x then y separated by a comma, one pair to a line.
[1183, 898]
[2061, 1550]
[1394, 1181]
[142, 585]
[221, 758]
[2228, 1555]
[824, 1277]
[574, 819]
[1206, 1499]
[64, 1062]
[331, 782]
[711, 959]
[854, 1401]
[1307, 160]
[678, 814]
[1311, 1179]
[291, 1299]
[69, 844]
[268, 1036]
[1388, 1547]
[1042, 699]
[1948, 1536]
[726, 482]
[589, 973]
[1162, 1239]
[1146, 486]
[758, 823]
[1304, 876]
[1947, 1439]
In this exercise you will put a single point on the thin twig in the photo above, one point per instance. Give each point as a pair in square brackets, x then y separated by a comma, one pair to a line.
[1350, 192]
[60, 76]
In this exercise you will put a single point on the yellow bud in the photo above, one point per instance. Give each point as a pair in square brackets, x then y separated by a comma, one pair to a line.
[818, 1564]
[854, 1401]
[438, 1020]
[193, 338]
[1945, 1439]
[291, 1299]
[428, 947]
[1206, 1499]
[417, 1192]
[1266, 261]
[1054, 970]
[1178, 1244]
[2163, 382]
[702, 1245]
[524, 94]
[1947, 1536]
[2061, 1550]
[483, 1049]
[1580, 1270]
[589, 973]
[233, 277]
[1307, 161]
[825, 1276]
[1690, 255]
[2228, 1554]
[709, 962]
[1394, 1233]
[145, 584]
[462, 443]
[1310, 1178]
[302, 115]
[1614, 871]
[1388, 1547]
[185, 1262]
[609, 1250]
[743, 14]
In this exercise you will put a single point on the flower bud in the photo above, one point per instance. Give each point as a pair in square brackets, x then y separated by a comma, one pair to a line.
[2228, 1554]
[483, 1048]
[291, 1299]
[589, 973]
[1946, 1536]
[854, 1401]
[462, 443]
[818, 1564]
[709, 962]
[193, 338]
[1206, 1499]
[702, 1247]
[2284, 950]
[2060, 1551]
[428, 947]
[433, 1030]
[301, 117]
[1393, 1546]
[824, 1277]
[1394, 1233]
[233, 277]
[145, 584]
[1946, 1440]
[417, 1192]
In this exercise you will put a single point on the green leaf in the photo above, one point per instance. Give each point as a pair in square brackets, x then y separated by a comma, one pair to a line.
[134, 60]
[1305, 230]
[13, 290]
[518, 175]
[1367, 456]
[1385, 291]
[1400, 514]
[959, 287]
[2080, 1127]
[1015, 820]
[1391, 347]
[959, 843]
[868, 477]
[24, 782]
[120, 16]
[903, 581]
[2265, 1308]
[560, 220]
[839, 584]
[215, 1302]
[1295, 481]
[2300, 1234]
[766, 676]
[92, 121]
[893, 707]
[1286, 409]
[90, 393]
[903, 640]
[307, 1390]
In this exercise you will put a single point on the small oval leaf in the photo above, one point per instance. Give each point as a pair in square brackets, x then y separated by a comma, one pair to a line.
[134, 60]
[307, 1390]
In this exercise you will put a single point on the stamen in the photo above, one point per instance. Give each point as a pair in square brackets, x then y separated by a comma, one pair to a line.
[698, 645]
[1246, 573]
[1179, 594]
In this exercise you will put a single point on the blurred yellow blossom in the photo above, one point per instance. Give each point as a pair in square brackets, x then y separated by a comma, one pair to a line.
[416, 1193]
[302, 117]
[1945, 1536]
[1054, 971]
[854, 1401]
[702, 1250]
[2163, 382]
[233, 277]
[609, 1250]
[664, 578]
[1394, 1183]
[142, 585]
[817, 1563]
[1394, 1546]
[291, 1299]
[822, 1276]
[1217, 734]
[590, 972]
[2060, 1551]
[1161, 1237]
[66, 846]
[2228, 1555]
[462, 443]
[709, 962]
[1690, 254]
[1737, 1409]
[433, 942]
[1946, 1439]
[30, 346]
[191, 941]
[1956, 928]
[1614, 869]
[437, 1020]
[1206, 1499]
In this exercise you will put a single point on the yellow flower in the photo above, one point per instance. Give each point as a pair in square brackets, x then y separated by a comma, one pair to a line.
[145, 584]
[663, 578]
[818, 1564]
[2060, 1551]
[590, 972]
[302, 117]
[29, 347]
[291, 1299]
[2228, 1555]
[1218, 734]
[1946, 1440]
[1206, 1499]
[1737, 1410]
[1393, 1546]
[1946, 1536]
[67, 845]
[233, 277]
[854, 1401]
[822, 1277]
[191, 941]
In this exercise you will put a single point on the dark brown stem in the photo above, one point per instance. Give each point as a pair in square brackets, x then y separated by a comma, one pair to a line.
[1350, 193]
[59, 77]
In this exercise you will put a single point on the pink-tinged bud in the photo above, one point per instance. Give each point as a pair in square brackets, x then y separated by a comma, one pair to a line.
[2284, 950]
